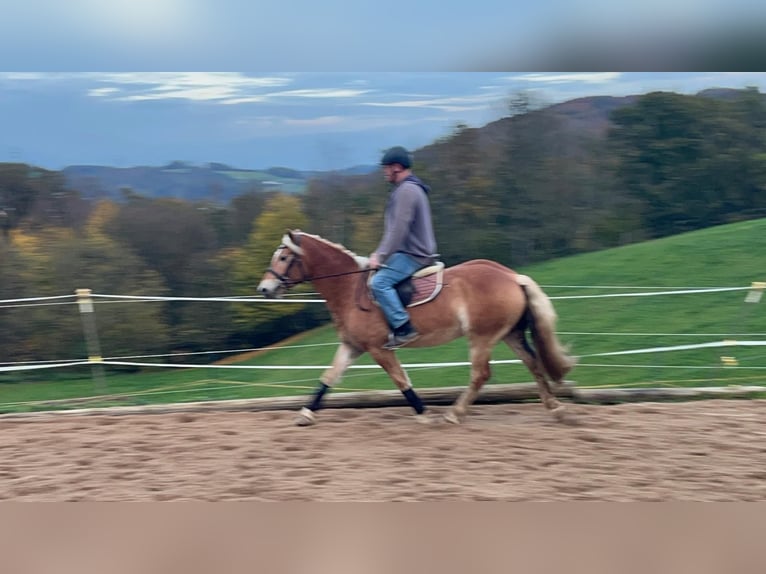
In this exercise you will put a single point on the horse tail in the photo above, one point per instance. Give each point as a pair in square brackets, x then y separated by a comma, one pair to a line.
[542, 325]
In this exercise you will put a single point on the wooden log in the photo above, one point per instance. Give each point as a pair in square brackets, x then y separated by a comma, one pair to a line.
[490, 394]
[501, 393]
[614, 396]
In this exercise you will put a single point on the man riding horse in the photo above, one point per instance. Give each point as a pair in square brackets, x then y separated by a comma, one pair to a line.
[408, 243]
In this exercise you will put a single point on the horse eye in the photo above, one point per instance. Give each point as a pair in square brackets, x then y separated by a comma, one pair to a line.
[283, 258]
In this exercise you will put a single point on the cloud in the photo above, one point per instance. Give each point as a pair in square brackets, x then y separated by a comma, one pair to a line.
[101, 92]
[233, 93]
[192, 78]
[198, 86]
[168, 81]
[223, 87]
[320, 122]
[228, 87]
[22, 76]
[201, 93]
[321, 93]
[270, 126]
[445, 104]
[588, 78]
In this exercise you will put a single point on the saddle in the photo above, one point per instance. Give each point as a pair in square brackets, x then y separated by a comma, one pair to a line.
[423, 286]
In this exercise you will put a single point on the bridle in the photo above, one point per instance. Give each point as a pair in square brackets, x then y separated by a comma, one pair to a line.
[286, 282]
[283, 279]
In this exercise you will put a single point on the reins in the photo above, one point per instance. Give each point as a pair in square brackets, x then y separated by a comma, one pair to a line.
[368, 270]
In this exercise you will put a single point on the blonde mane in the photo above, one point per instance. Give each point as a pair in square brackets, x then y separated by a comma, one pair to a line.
[362, 262]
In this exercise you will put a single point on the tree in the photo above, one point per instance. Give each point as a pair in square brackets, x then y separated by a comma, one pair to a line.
[690, 161]
[35, 197]
[281, 212]
[242, 213]
[168, 234]
[57, 262]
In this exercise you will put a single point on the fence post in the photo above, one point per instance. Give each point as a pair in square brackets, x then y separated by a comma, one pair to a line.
[91, 338]
[753, 296]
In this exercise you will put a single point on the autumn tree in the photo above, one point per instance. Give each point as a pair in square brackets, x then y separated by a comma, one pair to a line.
[57, 261]
[281, 212]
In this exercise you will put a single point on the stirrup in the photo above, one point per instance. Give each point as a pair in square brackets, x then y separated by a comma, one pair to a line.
[397, 341]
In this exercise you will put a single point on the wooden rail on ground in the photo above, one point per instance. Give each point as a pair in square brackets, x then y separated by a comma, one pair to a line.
[490, 394]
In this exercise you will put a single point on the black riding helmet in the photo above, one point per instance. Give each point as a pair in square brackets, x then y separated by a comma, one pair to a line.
[397, 154]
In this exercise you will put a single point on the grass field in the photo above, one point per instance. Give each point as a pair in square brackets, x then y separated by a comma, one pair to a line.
[726, 256]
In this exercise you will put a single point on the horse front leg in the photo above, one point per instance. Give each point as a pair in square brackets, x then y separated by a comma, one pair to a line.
[345, 355]
[392, 366]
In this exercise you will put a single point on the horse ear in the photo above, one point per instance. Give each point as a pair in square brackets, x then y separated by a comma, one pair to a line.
[291, 233]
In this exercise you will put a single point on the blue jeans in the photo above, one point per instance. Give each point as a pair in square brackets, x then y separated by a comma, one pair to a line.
[398, 267]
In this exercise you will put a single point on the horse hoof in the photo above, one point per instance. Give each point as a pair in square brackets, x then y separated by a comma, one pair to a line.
[559, 413]
[423, 419]
[451, 417]
[305, 418]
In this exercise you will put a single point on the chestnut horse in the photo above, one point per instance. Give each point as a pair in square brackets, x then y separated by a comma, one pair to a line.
[482, 300]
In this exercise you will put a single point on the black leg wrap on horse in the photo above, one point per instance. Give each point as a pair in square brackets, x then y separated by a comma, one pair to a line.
[320, 392]
[527, 347]
[414, 400]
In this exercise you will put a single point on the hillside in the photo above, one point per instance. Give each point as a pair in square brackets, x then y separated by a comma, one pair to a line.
[577, 125]
[214, 182]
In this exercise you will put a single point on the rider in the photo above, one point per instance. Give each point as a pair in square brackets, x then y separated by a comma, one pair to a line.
[408, 243]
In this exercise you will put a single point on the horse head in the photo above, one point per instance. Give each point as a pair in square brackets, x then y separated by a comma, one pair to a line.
[286, 268]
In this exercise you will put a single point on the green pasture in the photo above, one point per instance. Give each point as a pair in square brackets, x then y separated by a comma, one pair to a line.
[725, 256]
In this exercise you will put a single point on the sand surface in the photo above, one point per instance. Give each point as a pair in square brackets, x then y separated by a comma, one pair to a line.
[705, 451]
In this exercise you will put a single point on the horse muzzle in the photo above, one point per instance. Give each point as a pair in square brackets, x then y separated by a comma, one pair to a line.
[271, 288]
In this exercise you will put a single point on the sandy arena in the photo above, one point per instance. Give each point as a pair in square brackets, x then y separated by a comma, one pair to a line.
[704, 451]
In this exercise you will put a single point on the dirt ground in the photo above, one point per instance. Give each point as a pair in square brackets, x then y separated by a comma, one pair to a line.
[704, 451]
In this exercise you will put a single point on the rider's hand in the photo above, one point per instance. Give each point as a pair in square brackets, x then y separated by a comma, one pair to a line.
[374, 261]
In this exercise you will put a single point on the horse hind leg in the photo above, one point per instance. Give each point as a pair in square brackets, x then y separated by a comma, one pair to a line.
[518, 342]
[480, 373]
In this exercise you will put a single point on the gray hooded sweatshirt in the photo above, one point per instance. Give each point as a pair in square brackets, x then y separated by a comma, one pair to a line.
[407, 223]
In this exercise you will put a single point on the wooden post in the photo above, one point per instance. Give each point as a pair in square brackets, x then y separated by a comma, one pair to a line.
[91, 338]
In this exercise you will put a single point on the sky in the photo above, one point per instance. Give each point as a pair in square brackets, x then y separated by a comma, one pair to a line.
[340, 35]
[429, 65]
[301, 120]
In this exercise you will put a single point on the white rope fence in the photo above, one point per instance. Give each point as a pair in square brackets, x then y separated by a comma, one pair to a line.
[106, 361]
[636, 292]
[38, 301]
[85, 299]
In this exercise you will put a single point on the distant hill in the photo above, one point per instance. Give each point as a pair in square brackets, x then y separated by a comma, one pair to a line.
[575, 119]
[588, 116]
[215, 182]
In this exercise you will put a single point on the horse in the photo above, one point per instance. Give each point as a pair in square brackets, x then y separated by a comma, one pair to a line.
[482, 300]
